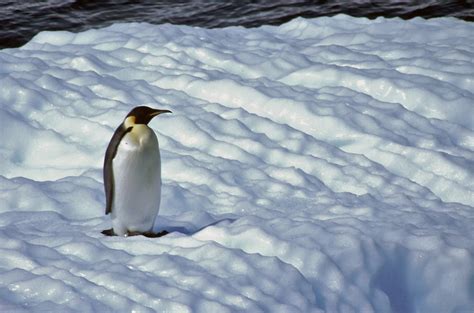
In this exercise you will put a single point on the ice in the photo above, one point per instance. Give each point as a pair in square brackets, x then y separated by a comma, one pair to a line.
[324, 165]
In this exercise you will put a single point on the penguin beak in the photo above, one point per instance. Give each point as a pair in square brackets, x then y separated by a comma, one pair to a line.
[158, 112]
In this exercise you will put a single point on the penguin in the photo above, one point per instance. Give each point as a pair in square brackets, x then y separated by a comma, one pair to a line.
[132, 175]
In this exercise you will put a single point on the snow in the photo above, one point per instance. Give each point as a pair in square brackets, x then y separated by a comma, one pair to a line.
[325, 165]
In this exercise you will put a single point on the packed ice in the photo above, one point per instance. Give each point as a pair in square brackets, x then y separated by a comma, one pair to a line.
[324, 165]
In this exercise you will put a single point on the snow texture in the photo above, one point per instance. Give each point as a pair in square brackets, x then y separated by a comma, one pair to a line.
[325, 165]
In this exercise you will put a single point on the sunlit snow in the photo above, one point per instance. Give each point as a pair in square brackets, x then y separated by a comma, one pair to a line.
[325, 165]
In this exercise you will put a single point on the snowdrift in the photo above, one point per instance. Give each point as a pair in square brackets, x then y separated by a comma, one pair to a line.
[325, 165]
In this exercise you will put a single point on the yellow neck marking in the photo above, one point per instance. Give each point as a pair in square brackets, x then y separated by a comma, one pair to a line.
[129, 121]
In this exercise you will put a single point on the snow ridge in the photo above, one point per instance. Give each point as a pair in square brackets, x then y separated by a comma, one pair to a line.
[325, 165]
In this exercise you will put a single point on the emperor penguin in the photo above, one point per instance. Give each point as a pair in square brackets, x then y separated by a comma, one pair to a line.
[132, 175]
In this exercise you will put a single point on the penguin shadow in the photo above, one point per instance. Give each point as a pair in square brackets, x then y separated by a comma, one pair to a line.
[188, 231]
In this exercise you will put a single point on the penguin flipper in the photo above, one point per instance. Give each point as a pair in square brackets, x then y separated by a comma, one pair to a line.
[108, 169]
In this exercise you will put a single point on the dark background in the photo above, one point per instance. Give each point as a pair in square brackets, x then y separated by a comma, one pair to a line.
[21, 20]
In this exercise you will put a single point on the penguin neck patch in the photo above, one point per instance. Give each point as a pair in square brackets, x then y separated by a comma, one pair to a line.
[129, 121]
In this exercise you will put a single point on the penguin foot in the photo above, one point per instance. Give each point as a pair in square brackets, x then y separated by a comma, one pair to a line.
[150, 234]
[108, 232]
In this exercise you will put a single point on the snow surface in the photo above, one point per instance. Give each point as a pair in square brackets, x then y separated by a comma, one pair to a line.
[325, 165]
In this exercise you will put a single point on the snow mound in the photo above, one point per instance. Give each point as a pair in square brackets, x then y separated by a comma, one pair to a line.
[325, 165]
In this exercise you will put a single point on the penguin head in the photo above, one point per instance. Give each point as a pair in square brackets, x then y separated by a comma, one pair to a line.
[143, 115]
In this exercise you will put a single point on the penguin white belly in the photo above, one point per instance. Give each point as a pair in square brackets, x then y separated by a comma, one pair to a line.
[137, 182]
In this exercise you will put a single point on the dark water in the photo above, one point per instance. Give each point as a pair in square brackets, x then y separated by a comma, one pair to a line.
[21, 20]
